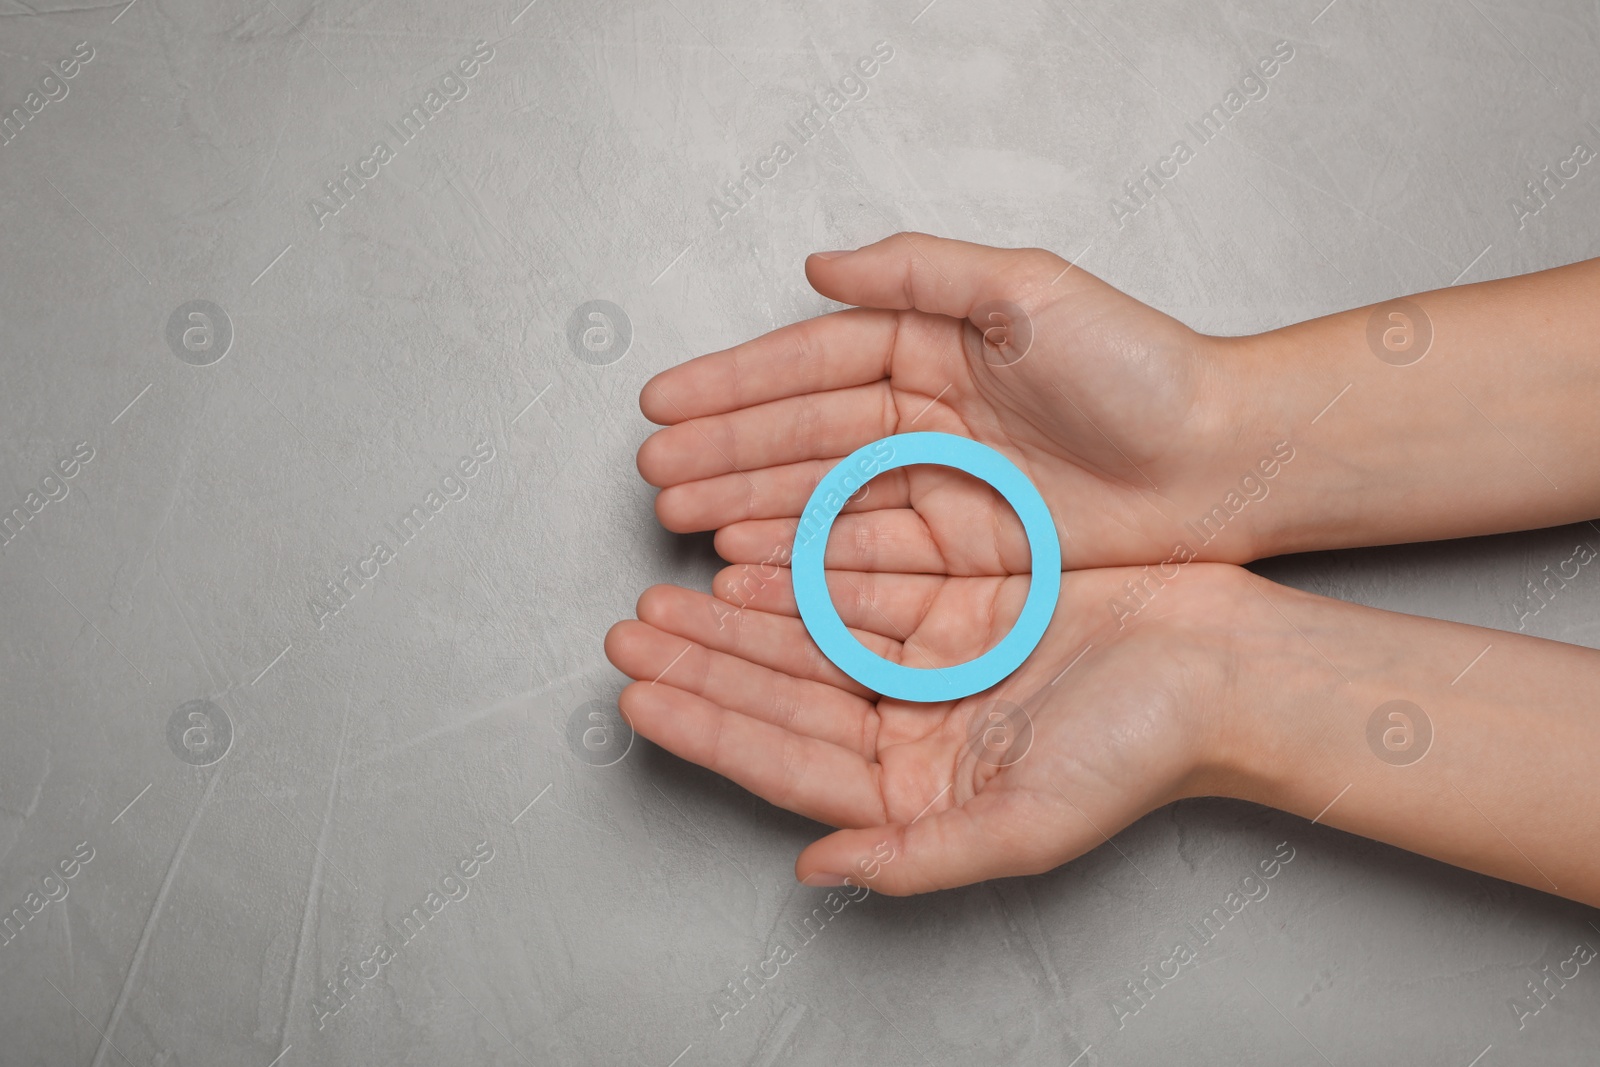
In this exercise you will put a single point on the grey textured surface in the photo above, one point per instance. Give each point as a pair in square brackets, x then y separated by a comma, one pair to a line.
[374, 748]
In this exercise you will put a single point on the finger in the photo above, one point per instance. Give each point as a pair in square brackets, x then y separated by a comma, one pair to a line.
[933, 274]
[831, 352]
[889, 539]
[937, 621]
[770, 493]
[813, 426]
[993, 835]
[891, 605]
[807, 776]
[773, 641]
[811, 709]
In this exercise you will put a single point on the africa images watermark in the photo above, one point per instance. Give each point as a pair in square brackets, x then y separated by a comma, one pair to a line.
[866, 469]
[754, 580]
[1538, 595]
[199, 732]
[1142, 190]
[752, 583]
[50, 88]
[1399, 732]
[453, 888]
[451, 87]
[1253, 488]
[1542, 189]
[741, 992]
[53, 888]
[1137, 993]
[1399, 333]
[599, 734]
[341, 590]
[53, 488]
[737, 193]
[1548, 983]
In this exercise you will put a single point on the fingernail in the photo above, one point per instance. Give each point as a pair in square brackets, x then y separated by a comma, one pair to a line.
[822, 880]
[835, 254]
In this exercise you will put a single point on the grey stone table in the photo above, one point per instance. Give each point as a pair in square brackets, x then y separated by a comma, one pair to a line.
[323, 329]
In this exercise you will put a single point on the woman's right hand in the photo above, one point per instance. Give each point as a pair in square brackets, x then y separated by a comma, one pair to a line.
[1102, 724]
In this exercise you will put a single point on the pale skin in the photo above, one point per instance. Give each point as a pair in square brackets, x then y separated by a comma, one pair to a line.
[1209, 681]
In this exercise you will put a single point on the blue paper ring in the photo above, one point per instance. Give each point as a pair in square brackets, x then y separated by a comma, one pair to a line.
[924, 684]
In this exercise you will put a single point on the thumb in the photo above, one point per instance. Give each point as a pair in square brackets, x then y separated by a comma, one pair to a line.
[992, 835]
[932, 274]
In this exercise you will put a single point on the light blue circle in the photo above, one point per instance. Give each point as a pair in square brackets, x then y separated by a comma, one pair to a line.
[924, 685]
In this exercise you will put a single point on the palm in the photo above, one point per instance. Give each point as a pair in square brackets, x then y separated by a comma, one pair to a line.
[1102, 413]
[747, 694]
[1098, 412]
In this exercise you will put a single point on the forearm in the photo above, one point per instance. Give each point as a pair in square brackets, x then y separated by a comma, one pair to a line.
[1490, 766]
[1491, 429]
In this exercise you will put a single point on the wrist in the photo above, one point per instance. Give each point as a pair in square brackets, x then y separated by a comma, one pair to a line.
[1272, 710]
[1224, 634]
[1401, 411]
[1308, 676]
[1255, 493]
